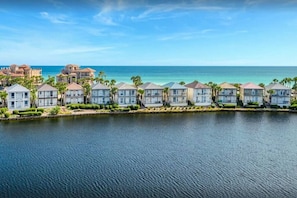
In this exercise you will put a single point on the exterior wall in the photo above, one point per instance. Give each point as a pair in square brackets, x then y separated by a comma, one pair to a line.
[177, 97]
[153, 98]
[47, 98]
[227, 96]
[74, 96]
[202, 97]
[281, 97]
[100, 96]
[126, 97]
[18, 100]
[251, 95]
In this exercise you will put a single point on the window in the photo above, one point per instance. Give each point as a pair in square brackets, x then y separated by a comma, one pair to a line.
[51, 93]
[26, 103]
[12, 104]
[12, 95]
[26, 94]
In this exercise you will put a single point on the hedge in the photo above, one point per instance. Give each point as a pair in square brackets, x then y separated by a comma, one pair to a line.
[83, 106]
[229, 106]
[134, 107]
[30, 113]
[293, 107]
[29, 110]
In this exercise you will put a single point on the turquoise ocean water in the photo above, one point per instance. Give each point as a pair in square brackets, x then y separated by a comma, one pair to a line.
[164, 74]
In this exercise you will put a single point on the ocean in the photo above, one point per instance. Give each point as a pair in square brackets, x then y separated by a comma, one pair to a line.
[165, 74]
[210, 154]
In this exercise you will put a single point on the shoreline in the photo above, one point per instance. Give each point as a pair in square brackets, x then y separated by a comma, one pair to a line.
[147, 111]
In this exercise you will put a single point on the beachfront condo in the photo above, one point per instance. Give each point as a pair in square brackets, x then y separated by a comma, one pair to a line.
[252, 94]
[18, 97]
[47, 96]
[126, 94]
[227, 94]
[152, 96]
[100, 94]
[278, 94]
[74, 94]
[176, 94]
[199, 94]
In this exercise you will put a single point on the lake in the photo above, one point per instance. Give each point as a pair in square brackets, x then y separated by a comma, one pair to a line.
[210, 154]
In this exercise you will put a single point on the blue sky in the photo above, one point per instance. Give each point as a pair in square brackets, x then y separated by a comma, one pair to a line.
[125, 32]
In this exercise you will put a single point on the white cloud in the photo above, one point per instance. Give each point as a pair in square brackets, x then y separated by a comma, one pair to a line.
[186, 35]
[82, 49]
[57, 19]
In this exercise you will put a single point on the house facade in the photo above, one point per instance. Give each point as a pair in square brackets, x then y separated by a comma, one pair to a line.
[177, 94]
[72, 73]
[251, 93]
[126, 94]
[18, 97]
[227, 94]
[100, 94]
[74, 94]
[199, 94]
[47, 96]
[281, 95]
[153, 95]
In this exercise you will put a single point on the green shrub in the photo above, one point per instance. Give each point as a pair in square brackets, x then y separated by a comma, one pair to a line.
[30, 113]
[15, 112]
[253, 103]
[274, 106]
[7, 114]
[55, 110]
[229, 105]
[293, 107]
[3, 110]
[134, 107]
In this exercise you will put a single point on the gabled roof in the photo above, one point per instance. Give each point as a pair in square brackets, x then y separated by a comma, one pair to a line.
[174, 85]
[227, 86]
[276, 86]
[74, 86]
[46, 87]
[123, 85]
[86, 70]
[17, 88]
[100, 86]
[250, 85]
[197, 85]
[150, 85]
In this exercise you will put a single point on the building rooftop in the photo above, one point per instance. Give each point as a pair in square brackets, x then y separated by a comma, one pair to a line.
[197, 85]
[250, 85]
[174, 85]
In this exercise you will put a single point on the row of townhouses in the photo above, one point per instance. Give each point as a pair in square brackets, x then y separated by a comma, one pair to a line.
[153, 95]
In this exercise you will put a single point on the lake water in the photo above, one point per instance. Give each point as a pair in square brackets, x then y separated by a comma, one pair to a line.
[215, 154]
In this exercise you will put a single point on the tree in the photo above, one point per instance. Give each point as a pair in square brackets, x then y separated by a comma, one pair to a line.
[136, 81]
[182, 83]
[113, 92]
[275, 80]
[3, 96]
[62, 88]
[50, 80]
[262, 85]
[166, 94]
[214, 90]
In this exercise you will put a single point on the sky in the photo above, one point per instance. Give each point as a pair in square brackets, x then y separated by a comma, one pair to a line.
[149, 32]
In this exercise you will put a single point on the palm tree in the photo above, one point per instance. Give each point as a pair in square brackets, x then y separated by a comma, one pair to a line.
[136, 81]
[50, 80]
[62, 88]
[275, 80]
[87, 90]
[166, 94]
[262, 85]
[3, 96]
[113, 92]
